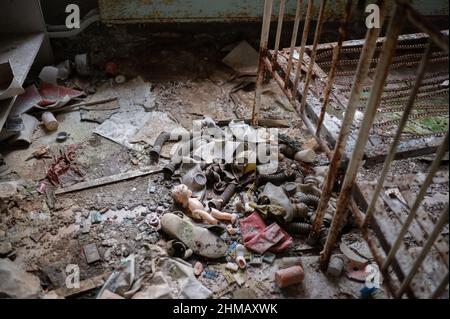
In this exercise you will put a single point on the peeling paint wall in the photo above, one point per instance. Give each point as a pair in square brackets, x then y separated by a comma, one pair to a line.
[126, 11]
[136, 11]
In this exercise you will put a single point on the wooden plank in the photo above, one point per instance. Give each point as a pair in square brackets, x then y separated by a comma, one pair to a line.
[85, 286]
[261, 122]
[106, 180]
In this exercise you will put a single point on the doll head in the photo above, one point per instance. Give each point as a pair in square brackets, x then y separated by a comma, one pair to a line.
[181, 194]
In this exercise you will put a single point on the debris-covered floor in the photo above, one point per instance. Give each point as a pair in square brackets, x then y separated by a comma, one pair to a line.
[103, 197]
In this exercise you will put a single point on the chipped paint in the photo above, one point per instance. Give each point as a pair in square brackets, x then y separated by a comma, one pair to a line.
[144, 11]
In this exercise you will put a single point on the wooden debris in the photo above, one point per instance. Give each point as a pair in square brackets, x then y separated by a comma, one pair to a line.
[85, 286]
[106, 180]
[261, 122]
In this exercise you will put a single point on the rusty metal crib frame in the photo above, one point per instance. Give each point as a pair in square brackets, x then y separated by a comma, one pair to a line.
[347, 200]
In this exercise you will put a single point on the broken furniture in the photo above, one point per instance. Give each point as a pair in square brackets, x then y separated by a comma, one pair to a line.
[337, 121]
[23, 40]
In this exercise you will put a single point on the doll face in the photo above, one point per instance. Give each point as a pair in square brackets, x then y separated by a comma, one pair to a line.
[181, 194]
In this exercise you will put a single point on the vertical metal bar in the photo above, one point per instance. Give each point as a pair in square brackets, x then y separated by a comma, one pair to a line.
[387, 54]
[303, 117]
[358, 82]
[443, 148]
[279, 27]
[302, 48]
[393, 148]
[440, 289]
[425, 26]
[313, 53]
[262, 53]
[336, 54]
[425, 250]
[293, 41]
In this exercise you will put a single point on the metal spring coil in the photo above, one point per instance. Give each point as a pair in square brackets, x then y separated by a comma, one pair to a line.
[298, 228]
[276, 179]
[309, 199]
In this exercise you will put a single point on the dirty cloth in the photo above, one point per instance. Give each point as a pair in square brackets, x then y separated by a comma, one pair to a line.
[133, 128]
[172, 278]
[260, 238]
[280, 205]
[122, 280]
[246, 133]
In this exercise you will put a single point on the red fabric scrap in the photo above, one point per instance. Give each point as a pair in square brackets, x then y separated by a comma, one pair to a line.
[259, 238]
[251, 226]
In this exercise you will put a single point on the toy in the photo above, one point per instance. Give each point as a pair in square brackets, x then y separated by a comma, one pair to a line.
[182, 195]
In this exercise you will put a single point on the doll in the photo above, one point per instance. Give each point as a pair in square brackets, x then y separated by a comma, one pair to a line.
[182, 195]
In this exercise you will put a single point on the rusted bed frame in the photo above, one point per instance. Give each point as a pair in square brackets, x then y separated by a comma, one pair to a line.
[348, 147]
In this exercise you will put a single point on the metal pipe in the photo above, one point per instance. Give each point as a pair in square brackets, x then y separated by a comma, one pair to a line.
[425, 250]
[440, 289]
[162, 138]
[313, 53]
[276, 179]
[443, 148]
[293, 41]
[308, 199]
[262, 53]
[67, 33]
[336, 54]
[302, 48]
[360, 77]
[388, 52]
[393, 148]
[298, 228]
[279, 28]
[304, 118]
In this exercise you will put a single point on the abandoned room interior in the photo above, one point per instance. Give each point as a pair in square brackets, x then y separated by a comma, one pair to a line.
[269, 149]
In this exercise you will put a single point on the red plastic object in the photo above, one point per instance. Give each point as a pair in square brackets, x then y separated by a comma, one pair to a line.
[259, 238]
[289, 276]
[111, 69]
[55, 94]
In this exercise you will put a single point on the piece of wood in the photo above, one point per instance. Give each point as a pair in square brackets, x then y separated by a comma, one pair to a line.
[106, 180]
[85, 286]
[88, 103]
[261, 122]
[79, 106]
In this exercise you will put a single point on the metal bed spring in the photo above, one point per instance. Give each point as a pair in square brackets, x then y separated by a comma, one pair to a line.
[296, 87]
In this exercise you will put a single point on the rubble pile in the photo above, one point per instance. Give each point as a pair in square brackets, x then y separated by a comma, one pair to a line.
[123, 195]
